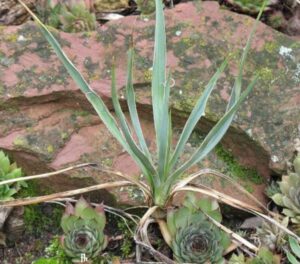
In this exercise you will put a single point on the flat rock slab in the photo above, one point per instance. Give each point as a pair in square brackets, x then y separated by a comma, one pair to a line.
[47, 123]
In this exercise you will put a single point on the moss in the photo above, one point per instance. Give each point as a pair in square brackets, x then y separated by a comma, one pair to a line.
[236, 170]
[30, 191]
[249, 5]
[39, 219]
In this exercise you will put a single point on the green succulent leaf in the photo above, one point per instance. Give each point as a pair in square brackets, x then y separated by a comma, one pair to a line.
[292, 258]
[4, 165]
[9, 171]
[289, 195]
[294, 246]
[195, 239]
[83, 230]
[296, 164]
[277, 198]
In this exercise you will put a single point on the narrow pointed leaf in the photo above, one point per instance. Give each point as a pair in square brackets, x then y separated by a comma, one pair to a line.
[158, 80]
[94, 99]
[196, 114]
[214, 136]
[235, 94]
[131, 102]
[163, 133]
[127, 134]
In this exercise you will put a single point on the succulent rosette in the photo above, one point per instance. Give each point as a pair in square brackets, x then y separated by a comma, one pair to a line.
[289, 196]
[76, 18]
[83, 230]
[271, 236]
[195, 238]
[9, 171]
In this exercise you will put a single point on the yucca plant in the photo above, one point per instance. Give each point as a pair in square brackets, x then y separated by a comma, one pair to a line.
[162, 179]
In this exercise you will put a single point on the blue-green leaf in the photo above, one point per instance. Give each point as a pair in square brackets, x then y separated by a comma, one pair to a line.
[150, 171]
[130, 96]
[196, 114]
[294, 246]
[214, 136]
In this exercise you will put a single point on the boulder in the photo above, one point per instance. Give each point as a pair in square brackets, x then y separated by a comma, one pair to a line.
[46, 123]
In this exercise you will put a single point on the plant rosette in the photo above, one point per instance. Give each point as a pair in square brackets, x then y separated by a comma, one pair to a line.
[83, 231]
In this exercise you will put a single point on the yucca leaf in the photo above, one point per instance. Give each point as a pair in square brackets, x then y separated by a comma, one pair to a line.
[195, 115]
[131, 102]
[127, 134]
[236, 91]
[159, 62]
[94, 99]
[164, 131]
[213, 137]
[294, 246]
[158, 86]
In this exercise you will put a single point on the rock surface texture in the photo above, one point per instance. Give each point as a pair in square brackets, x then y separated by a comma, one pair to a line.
[46, 122]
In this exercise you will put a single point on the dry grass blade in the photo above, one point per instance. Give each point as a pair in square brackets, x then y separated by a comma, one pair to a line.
[239, 205]
[146, 216]
[220, 197]
[234, 236]
[45, 198]
[274, 222]
[48, 174]
[138, 183]
[192, 177]
[164, 231]
[146, 244]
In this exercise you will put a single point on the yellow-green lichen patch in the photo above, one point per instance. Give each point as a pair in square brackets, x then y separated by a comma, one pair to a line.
[43, 143]
[33, 78]
[271, 46]
[13, 120]
[92, 68]
[148, 75]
